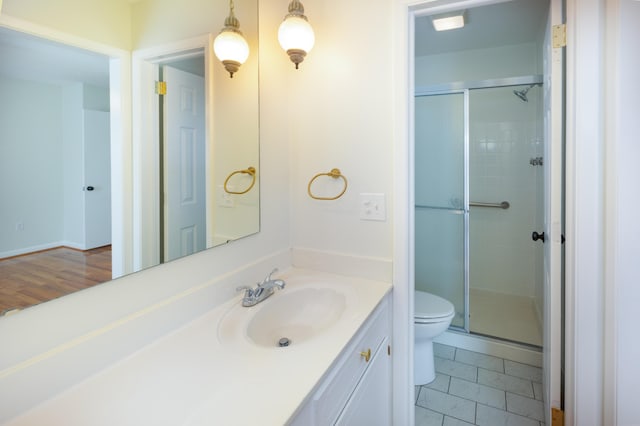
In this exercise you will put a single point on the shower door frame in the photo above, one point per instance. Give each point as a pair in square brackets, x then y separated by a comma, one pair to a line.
[464, 87]
[439, 91]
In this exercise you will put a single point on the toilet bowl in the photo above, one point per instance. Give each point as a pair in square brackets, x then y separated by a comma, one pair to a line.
[432, 317]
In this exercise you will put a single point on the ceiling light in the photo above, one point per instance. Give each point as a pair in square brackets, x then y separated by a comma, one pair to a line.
[295, 33]
[230, 46]
[448, 22]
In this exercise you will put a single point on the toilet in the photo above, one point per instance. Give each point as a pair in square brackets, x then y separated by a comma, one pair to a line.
[432, 317]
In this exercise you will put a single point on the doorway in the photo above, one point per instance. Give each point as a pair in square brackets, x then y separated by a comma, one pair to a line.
[61, 194]
[474, 85]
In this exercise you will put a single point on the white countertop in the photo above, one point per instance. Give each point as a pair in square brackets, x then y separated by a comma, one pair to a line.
[190, 377]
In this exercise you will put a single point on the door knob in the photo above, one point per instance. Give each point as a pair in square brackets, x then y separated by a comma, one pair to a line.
[535, 236]
[90, 188]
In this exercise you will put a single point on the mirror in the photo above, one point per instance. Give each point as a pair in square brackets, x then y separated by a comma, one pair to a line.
[56, 238]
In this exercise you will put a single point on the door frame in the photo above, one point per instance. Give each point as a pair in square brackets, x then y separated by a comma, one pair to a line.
[404, 12]
[146, 161]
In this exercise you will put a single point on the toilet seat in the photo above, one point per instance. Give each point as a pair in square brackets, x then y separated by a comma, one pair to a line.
[430, 308]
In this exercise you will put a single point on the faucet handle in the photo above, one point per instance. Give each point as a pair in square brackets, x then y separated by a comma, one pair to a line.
[268, 277]
[245, 288]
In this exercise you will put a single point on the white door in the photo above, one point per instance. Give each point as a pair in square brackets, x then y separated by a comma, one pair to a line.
[553, 169]
[97, 179]
[184, 164]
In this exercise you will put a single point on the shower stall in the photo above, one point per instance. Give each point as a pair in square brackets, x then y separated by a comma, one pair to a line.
[478, 199]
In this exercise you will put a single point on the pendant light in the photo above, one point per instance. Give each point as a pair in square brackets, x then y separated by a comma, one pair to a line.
[230, 46]
[295, 33]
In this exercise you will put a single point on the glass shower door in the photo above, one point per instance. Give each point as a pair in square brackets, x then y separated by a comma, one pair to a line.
[441, 218]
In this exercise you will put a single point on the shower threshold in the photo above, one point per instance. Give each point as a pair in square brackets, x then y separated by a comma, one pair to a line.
[503, 316]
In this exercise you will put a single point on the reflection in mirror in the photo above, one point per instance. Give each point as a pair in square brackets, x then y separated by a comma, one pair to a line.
[55, 215]
[46, 220]
[205, 154]
[182, 158]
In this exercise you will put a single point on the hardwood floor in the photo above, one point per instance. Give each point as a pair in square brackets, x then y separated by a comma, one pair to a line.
[38, 277]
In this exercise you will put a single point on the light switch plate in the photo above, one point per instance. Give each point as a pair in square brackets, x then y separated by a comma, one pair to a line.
[372, 207]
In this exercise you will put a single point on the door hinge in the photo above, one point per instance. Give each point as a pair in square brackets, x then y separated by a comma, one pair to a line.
[161, 87]
[559, 35]
[557, 417]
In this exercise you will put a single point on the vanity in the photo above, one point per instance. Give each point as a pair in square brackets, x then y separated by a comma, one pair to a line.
[226, 367]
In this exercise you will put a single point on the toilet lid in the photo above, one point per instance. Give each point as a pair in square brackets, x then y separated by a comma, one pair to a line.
[429, 305]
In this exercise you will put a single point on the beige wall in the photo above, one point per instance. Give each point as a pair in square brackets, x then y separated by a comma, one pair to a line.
[102, 21]
[335, 111]
[162, 21]
[339, 107]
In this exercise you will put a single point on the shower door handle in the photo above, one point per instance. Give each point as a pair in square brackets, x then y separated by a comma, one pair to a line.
[535, 236]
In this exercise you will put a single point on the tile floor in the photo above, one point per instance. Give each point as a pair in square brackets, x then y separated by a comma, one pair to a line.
[477, 389]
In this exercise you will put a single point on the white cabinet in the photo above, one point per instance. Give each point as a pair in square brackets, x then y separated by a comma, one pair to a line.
[357, 390]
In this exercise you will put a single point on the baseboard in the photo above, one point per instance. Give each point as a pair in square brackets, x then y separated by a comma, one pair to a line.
[492, 347]
[30, 249]
[41, 247]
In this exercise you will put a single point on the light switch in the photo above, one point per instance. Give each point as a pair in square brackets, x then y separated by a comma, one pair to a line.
[372, 207]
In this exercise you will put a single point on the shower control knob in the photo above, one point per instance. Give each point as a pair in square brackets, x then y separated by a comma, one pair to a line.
[535, 236]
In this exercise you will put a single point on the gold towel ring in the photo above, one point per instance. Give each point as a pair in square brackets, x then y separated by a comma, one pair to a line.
[334, 173]
[250, 171]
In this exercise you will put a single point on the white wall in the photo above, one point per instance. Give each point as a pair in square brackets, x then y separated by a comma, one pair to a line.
[31, 175]
[96, 98]
[42, 163]
[478, 64]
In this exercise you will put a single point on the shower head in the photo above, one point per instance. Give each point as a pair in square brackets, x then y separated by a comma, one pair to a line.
[522, 94]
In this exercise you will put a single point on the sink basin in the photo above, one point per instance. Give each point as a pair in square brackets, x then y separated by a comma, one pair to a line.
[297, 313]
[298, 316]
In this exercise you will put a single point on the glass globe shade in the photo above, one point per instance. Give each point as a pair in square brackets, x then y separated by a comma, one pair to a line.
[296, 33]
[231, 46]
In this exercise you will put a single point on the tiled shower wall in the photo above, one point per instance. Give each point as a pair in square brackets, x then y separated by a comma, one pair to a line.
[505, 134]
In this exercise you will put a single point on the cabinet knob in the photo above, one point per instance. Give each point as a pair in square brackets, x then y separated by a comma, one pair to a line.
[366, 355]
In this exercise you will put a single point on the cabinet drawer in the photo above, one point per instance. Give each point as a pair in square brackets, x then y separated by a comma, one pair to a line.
[330, 398]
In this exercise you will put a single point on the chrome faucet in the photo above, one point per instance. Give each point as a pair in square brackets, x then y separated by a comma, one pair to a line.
[264, 289]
